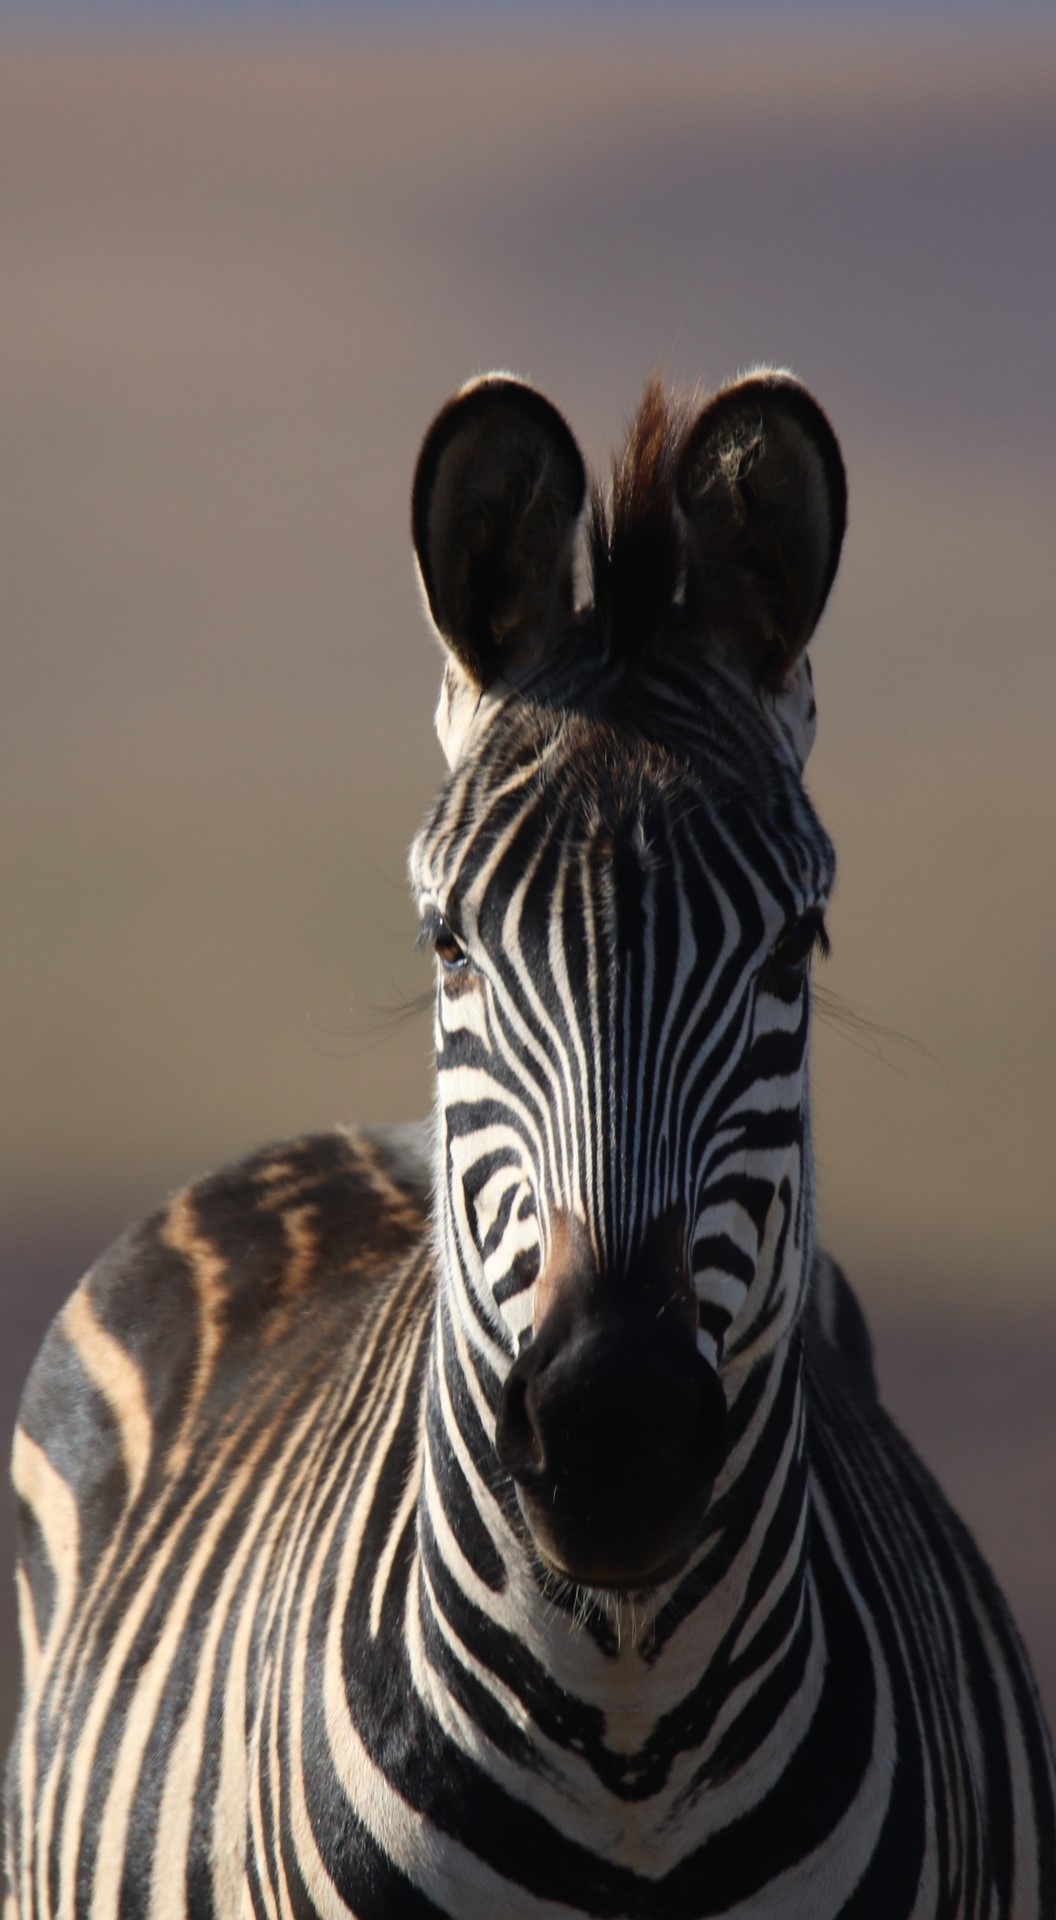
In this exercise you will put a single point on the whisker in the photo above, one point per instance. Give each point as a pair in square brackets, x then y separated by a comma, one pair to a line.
[869, 1035]
[368, 1028]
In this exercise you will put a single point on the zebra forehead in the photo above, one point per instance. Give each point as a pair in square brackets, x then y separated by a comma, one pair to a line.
[601, 810]
[684, 717]
[617, 759]
[586, 790]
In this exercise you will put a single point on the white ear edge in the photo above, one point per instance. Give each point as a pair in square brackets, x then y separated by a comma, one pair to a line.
[794, 712]
[456, 710]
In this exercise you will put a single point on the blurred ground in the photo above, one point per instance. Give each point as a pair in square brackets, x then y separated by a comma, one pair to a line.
[239, 278]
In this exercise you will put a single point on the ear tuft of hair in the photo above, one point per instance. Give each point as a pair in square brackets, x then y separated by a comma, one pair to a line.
[763, 494]
[635, 541]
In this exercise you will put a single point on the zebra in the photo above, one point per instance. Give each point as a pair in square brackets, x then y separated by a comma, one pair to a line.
[498, 1516]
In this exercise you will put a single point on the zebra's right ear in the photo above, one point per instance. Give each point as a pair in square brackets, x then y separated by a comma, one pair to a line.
[498, 492]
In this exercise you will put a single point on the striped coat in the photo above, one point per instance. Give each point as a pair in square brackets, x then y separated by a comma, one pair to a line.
[230, 1612]
[500, 1518]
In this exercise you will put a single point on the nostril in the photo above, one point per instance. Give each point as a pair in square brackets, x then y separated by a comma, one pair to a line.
[517, 1439]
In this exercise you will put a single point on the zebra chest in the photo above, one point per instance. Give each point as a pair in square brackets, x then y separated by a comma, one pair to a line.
[363, 1796]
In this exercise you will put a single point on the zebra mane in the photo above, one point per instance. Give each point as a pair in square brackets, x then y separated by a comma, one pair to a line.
[635, 539]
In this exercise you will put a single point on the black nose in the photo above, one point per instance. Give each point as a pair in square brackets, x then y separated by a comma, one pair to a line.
[613, 1427]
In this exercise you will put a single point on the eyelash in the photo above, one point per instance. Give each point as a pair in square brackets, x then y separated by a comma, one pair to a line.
[791, 953]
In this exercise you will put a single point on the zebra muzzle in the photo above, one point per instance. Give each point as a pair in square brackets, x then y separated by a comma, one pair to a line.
[612, 1426]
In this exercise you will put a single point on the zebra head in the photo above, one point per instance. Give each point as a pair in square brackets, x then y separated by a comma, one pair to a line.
[623, 881]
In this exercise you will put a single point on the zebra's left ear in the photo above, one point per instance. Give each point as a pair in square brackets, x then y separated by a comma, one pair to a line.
[498, 491]
[761, 484]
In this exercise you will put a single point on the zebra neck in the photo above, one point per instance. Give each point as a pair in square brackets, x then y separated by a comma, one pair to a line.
[647, 1691]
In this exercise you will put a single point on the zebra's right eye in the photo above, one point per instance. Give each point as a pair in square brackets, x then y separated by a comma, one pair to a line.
[436, 933]
[451, 956]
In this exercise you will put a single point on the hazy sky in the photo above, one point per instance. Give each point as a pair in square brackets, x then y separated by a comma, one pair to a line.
[952, 12]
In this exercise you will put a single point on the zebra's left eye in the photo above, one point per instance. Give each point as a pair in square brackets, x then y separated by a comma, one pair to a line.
[788, 958]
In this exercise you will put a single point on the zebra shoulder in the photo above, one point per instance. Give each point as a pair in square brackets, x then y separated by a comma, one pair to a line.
[248, 1278]
[835, 1317]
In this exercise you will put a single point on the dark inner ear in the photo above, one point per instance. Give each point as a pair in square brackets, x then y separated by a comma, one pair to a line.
[498, 490]
[762, 488]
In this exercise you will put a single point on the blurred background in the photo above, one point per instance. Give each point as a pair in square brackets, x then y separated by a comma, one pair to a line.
[245, 257]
